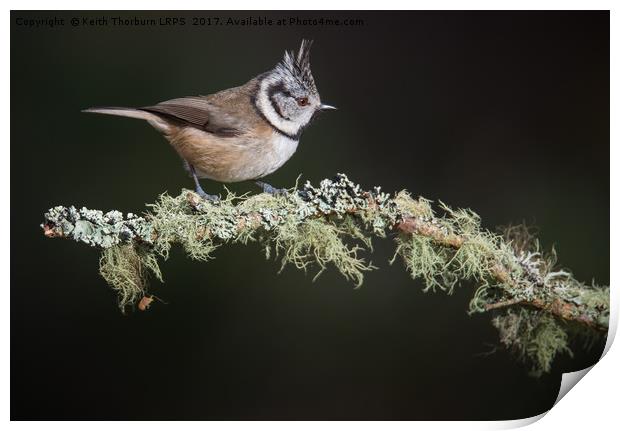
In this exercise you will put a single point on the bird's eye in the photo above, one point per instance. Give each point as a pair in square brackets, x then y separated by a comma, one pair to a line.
[302, 101]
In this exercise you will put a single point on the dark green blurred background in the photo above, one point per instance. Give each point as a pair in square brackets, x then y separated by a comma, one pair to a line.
[506, 113]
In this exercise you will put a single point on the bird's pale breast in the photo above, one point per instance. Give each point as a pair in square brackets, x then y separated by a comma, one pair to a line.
[249, 156]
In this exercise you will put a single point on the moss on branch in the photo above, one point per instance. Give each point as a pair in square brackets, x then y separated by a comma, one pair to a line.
[329, 225]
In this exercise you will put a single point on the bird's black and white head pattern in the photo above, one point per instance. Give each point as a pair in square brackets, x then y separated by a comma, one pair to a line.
[287, 95]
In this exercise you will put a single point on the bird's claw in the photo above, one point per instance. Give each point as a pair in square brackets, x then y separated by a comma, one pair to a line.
[207, 197]
[269, 189]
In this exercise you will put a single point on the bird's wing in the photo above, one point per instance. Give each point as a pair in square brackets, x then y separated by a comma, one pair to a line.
[202, 113]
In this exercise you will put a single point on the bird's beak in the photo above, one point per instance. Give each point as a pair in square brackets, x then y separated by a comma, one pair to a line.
[324, 107]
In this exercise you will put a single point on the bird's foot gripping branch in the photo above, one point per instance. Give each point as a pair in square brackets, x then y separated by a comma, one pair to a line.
[534, 302]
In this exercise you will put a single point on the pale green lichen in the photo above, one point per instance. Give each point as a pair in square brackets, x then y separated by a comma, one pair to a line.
[320, 243]
[413, 207]
[441, 267]
[424, 259]
[594, 301]
[127, 269]
[302, 231]
[481, 251]
[176, 222]
[534, 336]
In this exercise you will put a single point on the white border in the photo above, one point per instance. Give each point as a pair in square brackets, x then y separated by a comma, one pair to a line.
[589, 406]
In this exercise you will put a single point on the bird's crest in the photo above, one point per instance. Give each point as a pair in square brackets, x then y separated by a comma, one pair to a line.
[298, 66]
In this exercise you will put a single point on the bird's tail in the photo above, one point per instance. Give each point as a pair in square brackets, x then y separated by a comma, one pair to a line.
[155, 120]
[121, 112]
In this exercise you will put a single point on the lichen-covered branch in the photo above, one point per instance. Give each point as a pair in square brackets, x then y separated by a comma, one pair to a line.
[331, 224]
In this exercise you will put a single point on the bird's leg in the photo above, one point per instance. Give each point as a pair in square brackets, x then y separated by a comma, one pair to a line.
[199, 190]
[268, 188]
